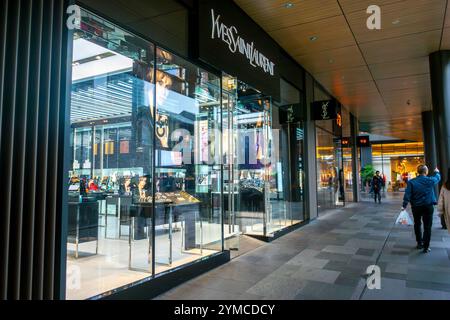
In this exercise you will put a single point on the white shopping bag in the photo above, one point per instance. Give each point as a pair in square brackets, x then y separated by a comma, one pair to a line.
[404, 219]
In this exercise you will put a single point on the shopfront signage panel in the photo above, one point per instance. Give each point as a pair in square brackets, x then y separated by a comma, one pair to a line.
[324, 110]
[238, 45]
[345, 142]
[290, 113]
[363, 141]
[232, 42]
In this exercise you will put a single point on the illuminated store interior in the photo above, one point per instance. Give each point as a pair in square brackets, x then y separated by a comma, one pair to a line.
[398, 162]
[169, 161]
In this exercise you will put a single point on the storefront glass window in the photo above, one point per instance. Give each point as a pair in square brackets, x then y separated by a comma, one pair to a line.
[145, 176]
[397, 162]
[347, 178]
[330, 174]
[264, 189]
[188, 161]
[286, 171]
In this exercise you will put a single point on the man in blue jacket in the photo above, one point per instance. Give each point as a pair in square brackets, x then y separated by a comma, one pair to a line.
[420, 193]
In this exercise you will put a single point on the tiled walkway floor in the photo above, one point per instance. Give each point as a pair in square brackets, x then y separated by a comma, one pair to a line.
[328, 258]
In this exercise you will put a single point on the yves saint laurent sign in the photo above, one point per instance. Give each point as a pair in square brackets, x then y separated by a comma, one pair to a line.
[236, 44]
[230, 41]
[324, 110]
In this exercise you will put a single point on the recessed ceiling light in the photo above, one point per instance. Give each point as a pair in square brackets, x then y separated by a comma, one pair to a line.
[313, 38]
[396, 21]
[288, 5]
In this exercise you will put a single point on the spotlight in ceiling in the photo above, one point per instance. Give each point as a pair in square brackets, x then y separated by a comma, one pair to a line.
[313, 38]
[288, 5]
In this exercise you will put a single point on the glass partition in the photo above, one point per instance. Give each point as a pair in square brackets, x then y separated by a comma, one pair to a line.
[145, 188]
[286, 165]
[327, 170]
[188, 162]
[264, 176]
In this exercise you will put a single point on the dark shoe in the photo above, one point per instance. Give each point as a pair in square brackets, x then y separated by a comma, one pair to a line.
[419, 246]
[426, 250]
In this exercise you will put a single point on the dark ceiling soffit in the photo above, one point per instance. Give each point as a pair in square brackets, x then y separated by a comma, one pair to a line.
[189, 4]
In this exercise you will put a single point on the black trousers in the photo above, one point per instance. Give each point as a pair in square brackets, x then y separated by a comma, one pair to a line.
[377, 195]
[423, 214]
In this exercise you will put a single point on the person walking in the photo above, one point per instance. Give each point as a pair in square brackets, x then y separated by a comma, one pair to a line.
[420, 194]
[444, 203]
[377, 185]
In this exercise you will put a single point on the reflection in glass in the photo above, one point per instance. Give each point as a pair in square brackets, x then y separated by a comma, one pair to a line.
[264, 173]
[188, 164]
[145, 179]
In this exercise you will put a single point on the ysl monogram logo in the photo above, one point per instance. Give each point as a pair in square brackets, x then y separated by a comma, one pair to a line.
[325, 110]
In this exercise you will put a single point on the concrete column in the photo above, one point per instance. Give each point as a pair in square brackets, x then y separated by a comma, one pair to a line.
[355, 163]
[440, 84]
[429, 140]
[310, 147]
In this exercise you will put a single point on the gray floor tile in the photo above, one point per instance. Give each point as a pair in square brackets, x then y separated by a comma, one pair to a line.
[327, 259]
[365, 252]
[277, 287]
[334, 256]
[319, 275]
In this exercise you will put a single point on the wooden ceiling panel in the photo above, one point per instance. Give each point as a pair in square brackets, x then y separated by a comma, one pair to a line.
[403, 101]
[367, 105]
[400, 19]
[411, 82]
[445, 45]
[380, 76]
[355, 89]
[273, 15]
[407, 47]
[402, 68]
[331, 33]
[333, 59]
[339, 78]
[350, 6]
[447, 17]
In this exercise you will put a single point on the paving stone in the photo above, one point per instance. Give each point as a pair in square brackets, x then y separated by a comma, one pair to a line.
[277, 287]
[345, 279]
[319, 275]
[428, 285]
[327, 259]
[308, 262]
[337, 292]
[400, 268]
[341, 249]
[334, 256]
[365, 252]
[397, 276]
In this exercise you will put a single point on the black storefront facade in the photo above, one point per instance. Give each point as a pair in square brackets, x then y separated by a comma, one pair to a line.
[144, 160]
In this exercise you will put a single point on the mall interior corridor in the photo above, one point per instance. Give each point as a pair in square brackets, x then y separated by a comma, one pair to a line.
[328, 258]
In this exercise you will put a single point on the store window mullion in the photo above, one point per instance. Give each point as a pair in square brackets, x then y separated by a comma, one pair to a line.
[154, 162]
[222, 210]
